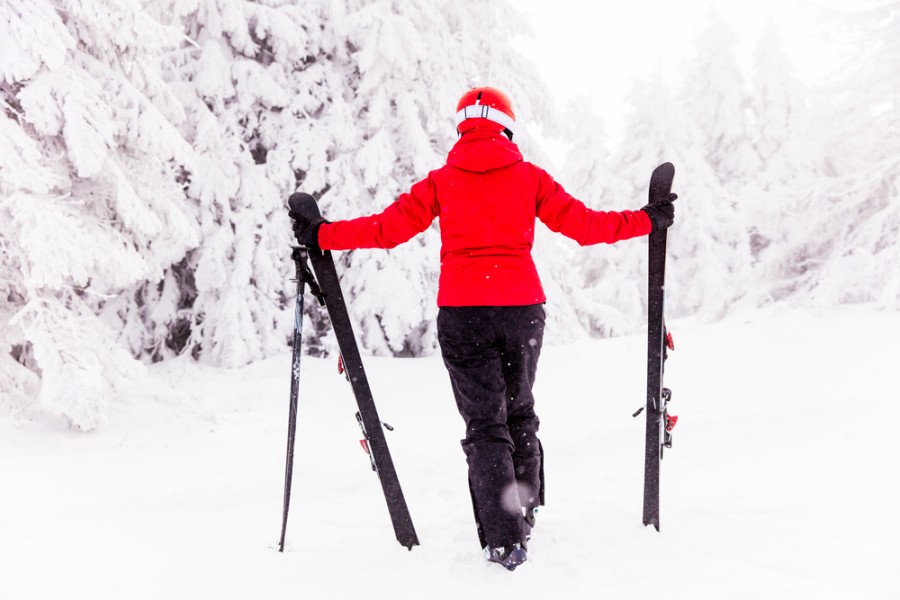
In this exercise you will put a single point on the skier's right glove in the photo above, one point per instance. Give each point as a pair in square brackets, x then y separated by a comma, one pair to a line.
[306, 230]
[662, 213]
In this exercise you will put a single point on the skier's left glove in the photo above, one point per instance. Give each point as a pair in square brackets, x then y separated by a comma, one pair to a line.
[306, 230]
[662, 213]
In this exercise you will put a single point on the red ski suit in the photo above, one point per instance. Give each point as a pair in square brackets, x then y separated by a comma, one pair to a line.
[487, 198]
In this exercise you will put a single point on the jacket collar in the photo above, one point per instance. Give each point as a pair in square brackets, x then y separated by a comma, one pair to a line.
[481, 150]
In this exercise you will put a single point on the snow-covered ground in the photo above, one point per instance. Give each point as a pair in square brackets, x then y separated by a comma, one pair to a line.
[783, 481]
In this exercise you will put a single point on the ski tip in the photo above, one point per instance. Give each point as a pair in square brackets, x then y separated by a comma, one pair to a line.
[661, 182]
[304, 204]
[667, 169]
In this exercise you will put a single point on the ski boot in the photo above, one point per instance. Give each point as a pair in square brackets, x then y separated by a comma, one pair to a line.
[509, 557]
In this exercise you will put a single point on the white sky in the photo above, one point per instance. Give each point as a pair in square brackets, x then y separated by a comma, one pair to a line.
[595, 48]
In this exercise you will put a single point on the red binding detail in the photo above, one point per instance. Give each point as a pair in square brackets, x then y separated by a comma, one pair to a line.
[671, 421]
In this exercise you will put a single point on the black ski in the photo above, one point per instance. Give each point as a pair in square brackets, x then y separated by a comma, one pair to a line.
[380, 455]
[659, 423]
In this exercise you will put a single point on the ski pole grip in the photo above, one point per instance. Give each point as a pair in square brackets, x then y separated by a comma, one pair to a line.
[305, 205]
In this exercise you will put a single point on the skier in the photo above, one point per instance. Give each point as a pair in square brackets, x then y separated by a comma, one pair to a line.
[491, 316]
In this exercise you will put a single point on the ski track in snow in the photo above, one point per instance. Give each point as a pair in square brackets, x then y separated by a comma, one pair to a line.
[781, 482]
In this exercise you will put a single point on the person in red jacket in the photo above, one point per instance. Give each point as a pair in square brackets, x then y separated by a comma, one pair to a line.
[491, 317]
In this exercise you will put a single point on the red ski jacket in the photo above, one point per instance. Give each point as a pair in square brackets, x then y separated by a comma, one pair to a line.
[487, 198]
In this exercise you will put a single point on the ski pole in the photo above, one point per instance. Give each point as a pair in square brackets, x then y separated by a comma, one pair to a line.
[299, 255]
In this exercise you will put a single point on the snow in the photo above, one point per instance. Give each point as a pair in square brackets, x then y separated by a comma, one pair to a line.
[781, 483]
[149, 149]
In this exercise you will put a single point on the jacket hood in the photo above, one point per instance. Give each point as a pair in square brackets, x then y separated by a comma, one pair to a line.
[483, 149]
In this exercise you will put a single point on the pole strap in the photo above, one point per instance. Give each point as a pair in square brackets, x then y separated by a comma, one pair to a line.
[305, 274]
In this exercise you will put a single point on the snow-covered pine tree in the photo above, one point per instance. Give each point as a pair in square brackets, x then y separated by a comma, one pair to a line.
[779, 106]
[403, 65]
[716, 98]
[610, 289]
[390, 70]
[791, 163]
[114, 112]
[89, 204]
[844, 248]
[251, 84]
[351, 101]
[719, 160]
[709, 257]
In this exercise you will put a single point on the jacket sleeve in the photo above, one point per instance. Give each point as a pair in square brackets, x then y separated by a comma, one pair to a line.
[409, 215]
[564, 214]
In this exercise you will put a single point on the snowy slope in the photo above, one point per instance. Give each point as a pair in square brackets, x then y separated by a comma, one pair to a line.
[782, 482]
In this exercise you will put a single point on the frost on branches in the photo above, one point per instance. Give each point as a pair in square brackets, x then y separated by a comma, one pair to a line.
[608, 293]
[844, 215]
[349, 101]
[147, 151]
[400, 67]
[88, 198]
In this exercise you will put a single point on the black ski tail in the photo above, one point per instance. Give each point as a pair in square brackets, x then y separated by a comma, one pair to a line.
[657, 397]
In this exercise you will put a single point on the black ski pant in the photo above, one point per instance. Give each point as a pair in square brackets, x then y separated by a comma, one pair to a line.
[491, 354]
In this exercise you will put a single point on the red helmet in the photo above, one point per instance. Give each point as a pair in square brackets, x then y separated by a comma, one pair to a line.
[485, 103]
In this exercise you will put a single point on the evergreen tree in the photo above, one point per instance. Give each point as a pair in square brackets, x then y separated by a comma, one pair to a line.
[252, 85]
[407, 62]
[351, 101]
[720, 163]
[788, 143]
[709, 256]
[610, 290]
[781, 127]
[88, 194]
[149, 151]
[843, 244]
[716, 99]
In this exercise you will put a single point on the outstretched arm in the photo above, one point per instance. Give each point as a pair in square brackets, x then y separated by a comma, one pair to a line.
[563, 213]
[410, 215]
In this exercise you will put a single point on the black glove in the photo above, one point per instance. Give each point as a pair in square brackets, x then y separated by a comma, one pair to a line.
[306, 230]
[662, 213]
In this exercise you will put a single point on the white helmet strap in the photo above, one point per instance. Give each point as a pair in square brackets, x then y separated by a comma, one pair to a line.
[483, 111]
